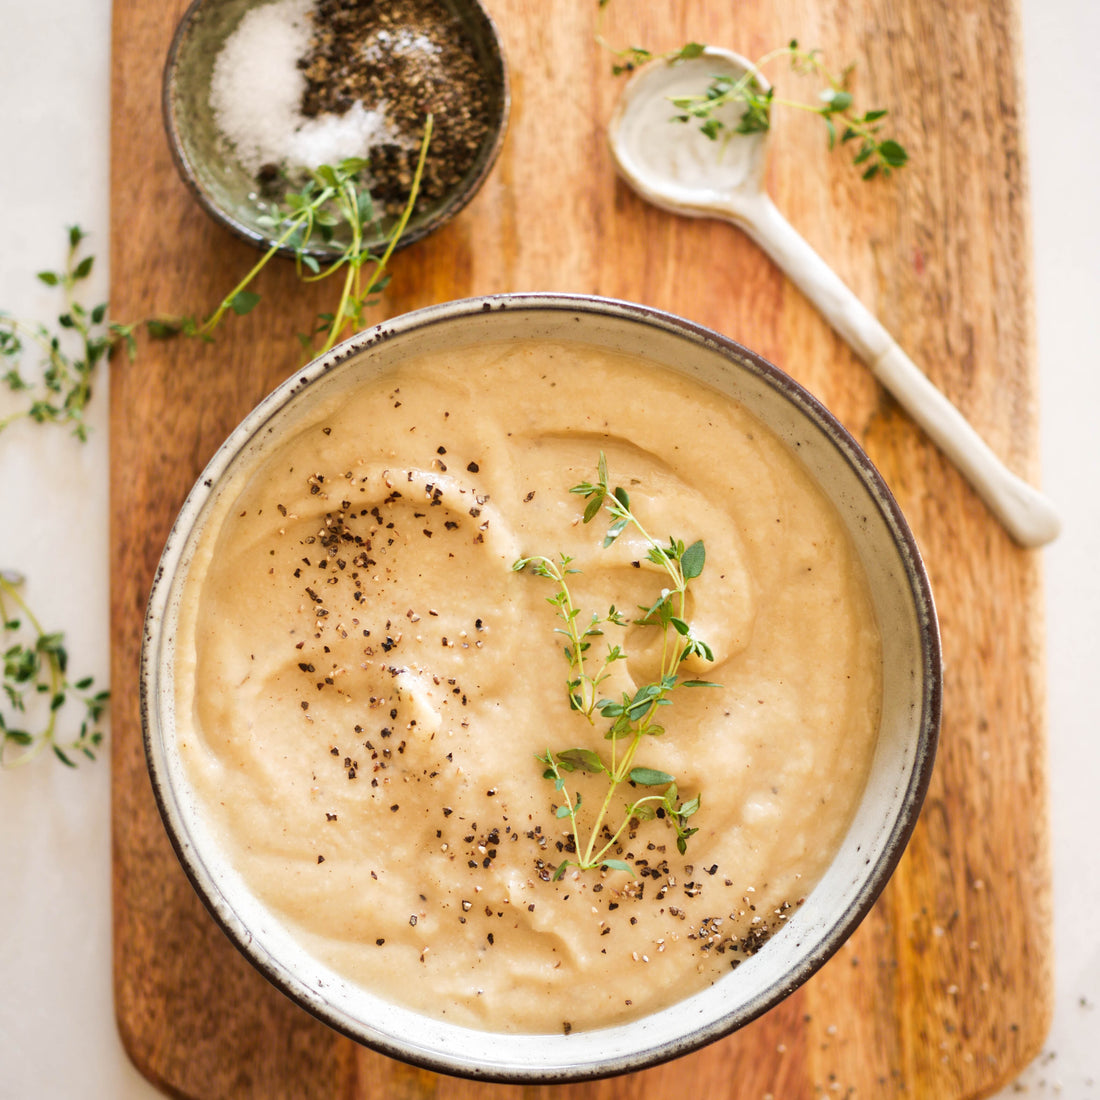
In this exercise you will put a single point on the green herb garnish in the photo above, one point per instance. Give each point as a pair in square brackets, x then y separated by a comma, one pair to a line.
[69, 355]
[633, 716]
[332, 197]
[874, 154]
[35, 678]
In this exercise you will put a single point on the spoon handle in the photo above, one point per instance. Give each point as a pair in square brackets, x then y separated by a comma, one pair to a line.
[1027, 515]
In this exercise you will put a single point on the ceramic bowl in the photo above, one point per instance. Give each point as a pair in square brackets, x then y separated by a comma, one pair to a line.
[230, 193]
[884, 818]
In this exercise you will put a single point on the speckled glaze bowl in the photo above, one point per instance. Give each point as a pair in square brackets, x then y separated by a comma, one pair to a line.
[229, 193]
[882, 823]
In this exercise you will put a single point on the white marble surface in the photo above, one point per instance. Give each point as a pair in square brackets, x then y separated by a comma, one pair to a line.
[57, 1034]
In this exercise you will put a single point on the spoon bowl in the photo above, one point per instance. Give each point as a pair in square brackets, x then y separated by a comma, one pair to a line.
[674, 166]
[679, 169]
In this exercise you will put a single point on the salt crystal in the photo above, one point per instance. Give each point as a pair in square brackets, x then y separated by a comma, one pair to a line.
[256, 92]
[329, 139]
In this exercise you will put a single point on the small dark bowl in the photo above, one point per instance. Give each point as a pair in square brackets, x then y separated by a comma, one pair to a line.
[231, 194]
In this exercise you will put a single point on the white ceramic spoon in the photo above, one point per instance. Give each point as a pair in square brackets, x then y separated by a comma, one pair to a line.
[677, 168]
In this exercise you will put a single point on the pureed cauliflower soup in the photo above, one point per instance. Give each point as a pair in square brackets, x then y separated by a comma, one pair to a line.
[386, 721]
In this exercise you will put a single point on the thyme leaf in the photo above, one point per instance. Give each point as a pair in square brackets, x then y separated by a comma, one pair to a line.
[333, 195]
[68, 354]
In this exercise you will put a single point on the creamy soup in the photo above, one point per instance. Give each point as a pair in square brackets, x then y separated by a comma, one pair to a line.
[365, 685]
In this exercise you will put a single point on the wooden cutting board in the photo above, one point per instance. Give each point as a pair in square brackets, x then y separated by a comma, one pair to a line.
[945, 990]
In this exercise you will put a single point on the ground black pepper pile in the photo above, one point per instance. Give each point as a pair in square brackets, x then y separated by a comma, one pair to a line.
[411, 78]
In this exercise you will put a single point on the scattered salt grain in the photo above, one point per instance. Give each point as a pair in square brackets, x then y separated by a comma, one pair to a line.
[401, 42]
[256, 92]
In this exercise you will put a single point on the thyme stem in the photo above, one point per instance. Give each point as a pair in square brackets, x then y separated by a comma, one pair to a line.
[633, 717]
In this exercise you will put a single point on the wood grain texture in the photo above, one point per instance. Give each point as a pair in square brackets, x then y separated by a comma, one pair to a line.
[945, 990]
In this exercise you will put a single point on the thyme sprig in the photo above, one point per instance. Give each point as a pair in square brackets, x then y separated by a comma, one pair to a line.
[332, 197]
[35, 667]
[60, 393]
[633, 716]
[874, 154]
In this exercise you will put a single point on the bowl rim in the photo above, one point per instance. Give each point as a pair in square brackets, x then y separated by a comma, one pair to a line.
[842, 925]
[417, 230]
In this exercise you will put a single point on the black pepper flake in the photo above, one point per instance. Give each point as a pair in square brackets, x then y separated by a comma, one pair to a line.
[395, 807]
[320, 859]
[473, 467]
[412, 920]
[446, 81]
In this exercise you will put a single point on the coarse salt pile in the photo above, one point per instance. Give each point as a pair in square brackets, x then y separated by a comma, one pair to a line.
[256, 92]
